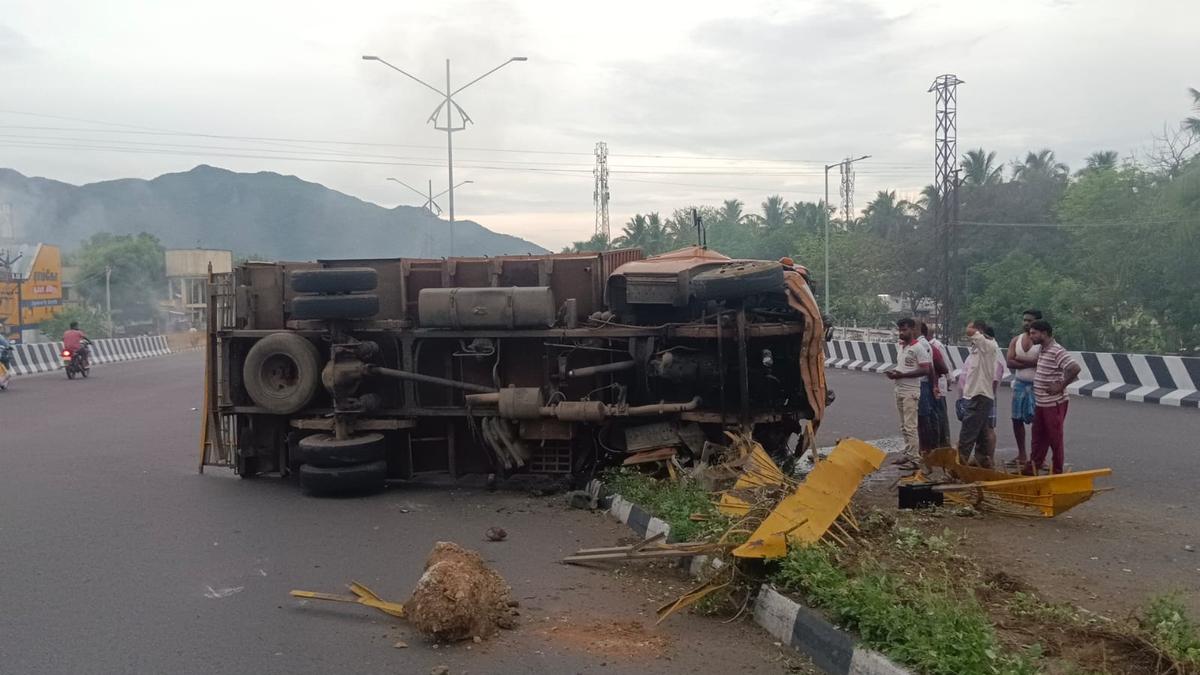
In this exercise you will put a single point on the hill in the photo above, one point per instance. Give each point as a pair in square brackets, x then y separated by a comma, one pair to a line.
[263, 213]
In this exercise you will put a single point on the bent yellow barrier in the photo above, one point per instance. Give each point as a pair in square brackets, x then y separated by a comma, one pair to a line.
[805, 515]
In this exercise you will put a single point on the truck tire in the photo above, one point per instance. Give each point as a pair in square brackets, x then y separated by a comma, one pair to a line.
[282, 373]
[359, 306]
[327, 452]
[738, 280]
[343, 480]
[337, 280]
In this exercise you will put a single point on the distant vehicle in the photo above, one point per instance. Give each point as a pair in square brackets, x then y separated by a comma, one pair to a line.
[76, 362]
[350, 372]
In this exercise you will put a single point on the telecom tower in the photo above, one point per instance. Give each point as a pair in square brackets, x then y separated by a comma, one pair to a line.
[600, 192]
[847, 191]
[945, 179]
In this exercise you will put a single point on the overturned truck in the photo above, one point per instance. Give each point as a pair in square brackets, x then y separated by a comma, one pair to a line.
[348, 373]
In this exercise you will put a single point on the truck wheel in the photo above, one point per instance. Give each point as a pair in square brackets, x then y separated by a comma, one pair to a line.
[326, 451]
[282, 373]
[738, 280]
[343, 480]
[359, 306]
[339, 280]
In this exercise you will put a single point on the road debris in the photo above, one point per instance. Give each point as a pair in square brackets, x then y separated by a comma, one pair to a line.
[987, 489]
[361, 595]
[581, 499]
[651, 547]
[496, 534]
[459, 597]
[217, 593]
[401, 644]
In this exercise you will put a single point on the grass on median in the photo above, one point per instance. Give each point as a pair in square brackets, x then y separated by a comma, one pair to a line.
[918, 622]
[672, 501]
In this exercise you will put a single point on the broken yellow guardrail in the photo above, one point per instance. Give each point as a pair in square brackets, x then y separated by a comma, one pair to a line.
[805, 516]
[1047, 496]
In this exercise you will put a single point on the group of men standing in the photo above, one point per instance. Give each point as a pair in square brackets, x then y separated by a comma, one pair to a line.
[1041, 370]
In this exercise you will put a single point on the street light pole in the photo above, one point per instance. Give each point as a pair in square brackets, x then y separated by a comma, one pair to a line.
[450, 106]
[826, 210]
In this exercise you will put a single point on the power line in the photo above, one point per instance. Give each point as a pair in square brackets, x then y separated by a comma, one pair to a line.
[153, 131]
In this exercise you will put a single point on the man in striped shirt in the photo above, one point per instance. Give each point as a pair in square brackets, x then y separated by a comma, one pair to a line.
[1055, 370]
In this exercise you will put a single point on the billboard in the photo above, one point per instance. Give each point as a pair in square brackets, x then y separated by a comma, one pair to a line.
[39, 271]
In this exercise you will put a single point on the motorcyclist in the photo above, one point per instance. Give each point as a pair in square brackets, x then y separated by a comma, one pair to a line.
[6, 357]
[77, 342]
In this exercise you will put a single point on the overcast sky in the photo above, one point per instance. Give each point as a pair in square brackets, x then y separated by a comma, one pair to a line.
[679, 90]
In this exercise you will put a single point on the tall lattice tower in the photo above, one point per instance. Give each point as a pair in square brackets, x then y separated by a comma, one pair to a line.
[945, 179]
[600, 192]
[847, 191]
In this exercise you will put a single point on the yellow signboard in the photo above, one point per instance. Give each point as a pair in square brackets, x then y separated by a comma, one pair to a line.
[40, 289]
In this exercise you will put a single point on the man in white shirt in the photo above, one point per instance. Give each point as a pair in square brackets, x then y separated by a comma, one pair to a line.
[911, 367]
[980, 396]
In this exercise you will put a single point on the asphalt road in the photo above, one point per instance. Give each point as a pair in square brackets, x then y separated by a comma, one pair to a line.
[1108, 554]
[116, 557]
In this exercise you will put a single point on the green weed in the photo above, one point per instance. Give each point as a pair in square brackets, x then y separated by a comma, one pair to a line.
[1168, 626]
[672, 501]
[919, 623]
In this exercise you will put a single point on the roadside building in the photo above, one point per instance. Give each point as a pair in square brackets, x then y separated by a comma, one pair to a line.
[30, 288]
[187, 284]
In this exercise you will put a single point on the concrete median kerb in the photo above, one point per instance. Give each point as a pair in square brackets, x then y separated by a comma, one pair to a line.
[831, 649]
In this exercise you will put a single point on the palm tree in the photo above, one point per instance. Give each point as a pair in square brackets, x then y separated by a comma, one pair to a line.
[1040, 164]
[1192, 124]
[886, 216]
[1101, 160]
[806, 216]
[731, 212]
[633, 234]
[980, 168]
[774, 213]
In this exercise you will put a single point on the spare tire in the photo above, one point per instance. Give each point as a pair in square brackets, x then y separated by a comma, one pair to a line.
[343, 480]
[326, 451]
[282, 372]
[359, 306]
[738, 280]
[337, 280]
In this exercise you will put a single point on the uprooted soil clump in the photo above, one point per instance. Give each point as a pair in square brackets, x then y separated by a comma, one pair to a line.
[459, 597]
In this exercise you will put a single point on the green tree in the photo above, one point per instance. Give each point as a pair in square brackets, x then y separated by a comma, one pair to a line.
[1192, 124]
[91, 321]
[138, 275]
[888, 217]
[1101, 160]
[597, 242]
[1040, 165]
[980, 168]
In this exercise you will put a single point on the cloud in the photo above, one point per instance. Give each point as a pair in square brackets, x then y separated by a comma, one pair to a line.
[14, 46]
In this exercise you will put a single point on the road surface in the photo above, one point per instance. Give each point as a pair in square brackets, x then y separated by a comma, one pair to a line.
[115, 556]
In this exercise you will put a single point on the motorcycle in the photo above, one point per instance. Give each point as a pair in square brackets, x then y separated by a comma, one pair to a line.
[75, 362]
[5, 358]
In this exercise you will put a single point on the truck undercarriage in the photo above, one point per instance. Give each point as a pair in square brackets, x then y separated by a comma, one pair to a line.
[350, 372]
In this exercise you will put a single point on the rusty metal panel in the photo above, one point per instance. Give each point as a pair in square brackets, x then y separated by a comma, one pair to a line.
[611, 260]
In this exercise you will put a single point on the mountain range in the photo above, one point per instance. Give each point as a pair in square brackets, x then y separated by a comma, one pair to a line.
[264, 214]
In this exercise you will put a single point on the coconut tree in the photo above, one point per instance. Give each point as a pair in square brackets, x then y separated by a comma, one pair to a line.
[1192, 124]
[1101, 160]
[887, 216]
[1040, 164]
[980, 168]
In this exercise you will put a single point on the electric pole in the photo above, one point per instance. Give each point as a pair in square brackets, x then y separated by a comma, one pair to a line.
[945, 169]
[7, 263]
[450, 127]
[108, 298]
[847, 191]
[827, 210]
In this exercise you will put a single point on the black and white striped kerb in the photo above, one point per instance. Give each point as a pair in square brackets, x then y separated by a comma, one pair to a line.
[1144, 378]
[831, 649]
[44, 357]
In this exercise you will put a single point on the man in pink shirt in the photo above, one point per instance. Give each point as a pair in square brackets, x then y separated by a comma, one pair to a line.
[74, 340]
